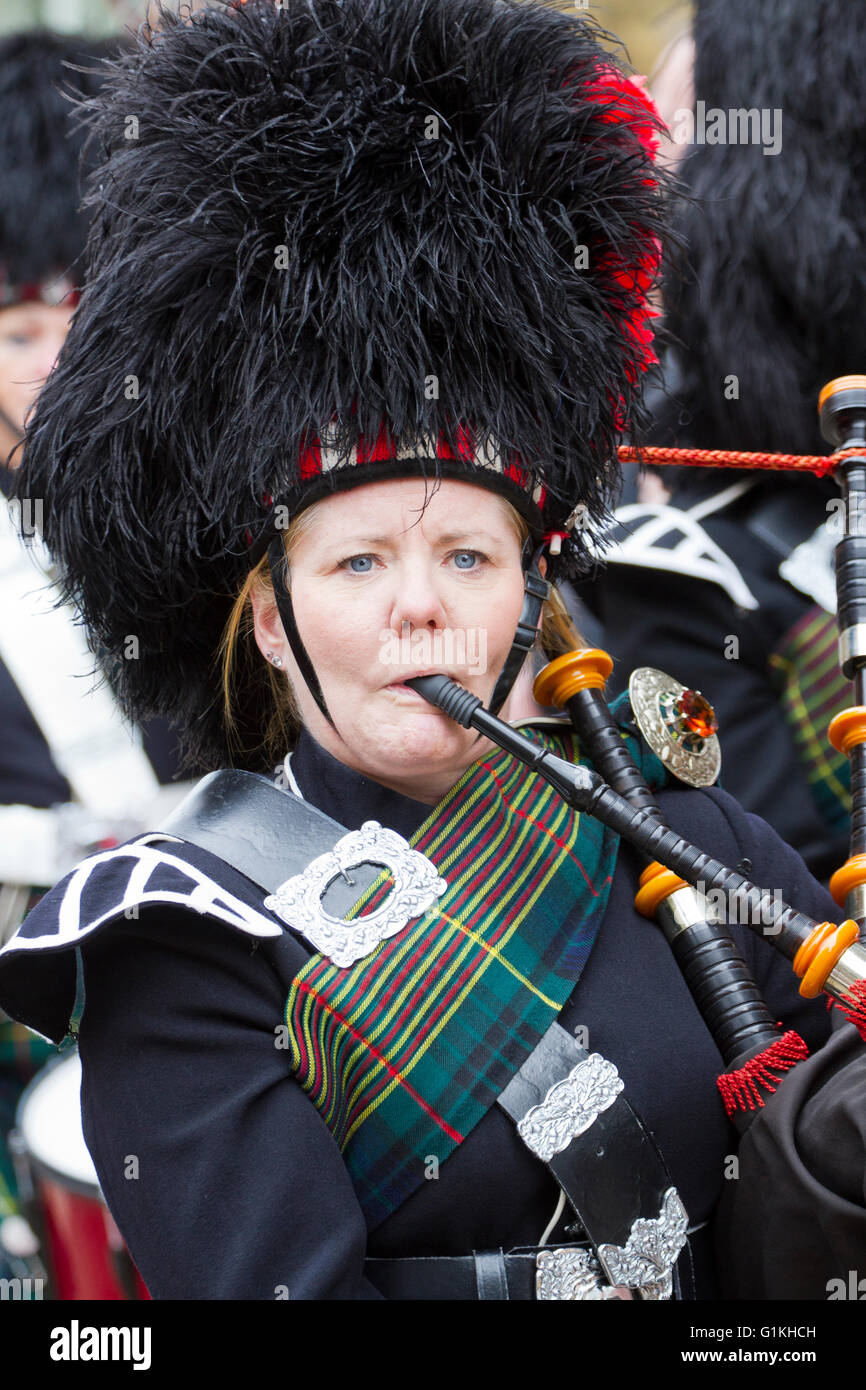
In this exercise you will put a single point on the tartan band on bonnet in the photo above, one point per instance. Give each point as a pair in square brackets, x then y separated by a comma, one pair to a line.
[320, 457]
[325, 468]
[53, 291]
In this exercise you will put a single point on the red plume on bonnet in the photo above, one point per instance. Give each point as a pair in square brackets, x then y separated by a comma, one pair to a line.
[626, 99]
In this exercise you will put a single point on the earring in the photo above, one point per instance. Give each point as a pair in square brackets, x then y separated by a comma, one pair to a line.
[274, 660]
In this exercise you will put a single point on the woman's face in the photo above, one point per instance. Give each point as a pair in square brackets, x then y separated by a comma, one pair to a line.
[382, 591]
[31, 336]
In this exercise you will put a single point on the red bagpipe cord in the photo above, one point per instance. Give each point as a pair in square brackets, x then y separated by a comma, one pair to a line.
[741, 1089]
[733, 458]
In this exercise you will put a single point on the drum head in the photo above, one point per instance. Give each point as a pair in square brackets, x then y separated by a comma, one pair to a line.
[49, 1121]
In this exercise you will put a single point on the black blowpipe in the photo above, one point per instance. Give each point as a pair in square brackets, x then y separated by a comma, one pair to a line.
[583, 789]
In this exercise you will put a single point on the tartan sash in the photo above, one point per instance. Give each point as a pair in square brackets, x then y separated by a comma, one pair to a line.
[812, 690]
[404, 1052]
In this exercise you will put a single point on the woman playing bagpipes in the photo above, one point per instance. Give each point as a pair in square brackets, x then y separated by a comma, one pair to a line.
[375, 1014]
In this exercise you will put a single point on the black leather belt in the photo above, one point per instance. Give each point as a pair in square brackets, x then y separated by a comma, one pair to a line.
[544, 1273]
[491, 1274]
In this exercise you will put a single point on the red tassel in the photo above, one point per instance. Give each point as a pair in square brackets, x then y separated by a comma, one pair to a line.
[741, 1089]
[854, 1007]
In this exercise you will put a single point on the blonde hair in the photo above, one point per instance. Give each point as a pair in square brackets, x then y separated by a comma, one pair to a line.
[558, 635]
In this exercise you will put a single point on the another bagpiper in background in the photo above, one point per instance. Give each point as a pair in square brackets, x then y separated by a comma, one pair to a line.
[73, 773]
[724, 576]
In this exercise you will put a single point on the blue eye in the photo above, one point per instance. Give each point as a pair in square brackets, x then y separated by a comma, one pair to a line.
[471, 555]
[359, 564]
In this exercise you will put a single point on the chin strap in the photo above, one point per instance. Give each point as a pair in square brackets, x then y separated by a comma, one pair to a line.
[277, 562]
[535, 591]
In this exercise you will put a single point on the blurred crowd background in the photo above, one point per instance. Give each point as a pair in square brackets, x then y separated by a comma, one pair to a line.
[644, 26]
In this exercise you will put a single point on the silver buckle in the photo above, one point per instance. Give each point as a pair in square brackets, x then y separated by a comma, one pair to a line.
[569, 1274]
[644, 1264]
[570, 1106]
[417, 885]
[653, 1247]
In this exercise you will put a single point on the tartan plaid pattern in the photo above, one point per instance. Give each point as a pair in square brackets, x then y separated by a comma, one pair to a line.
[404, 1052]
[812, 690]
[318, 457]
[22, 1054]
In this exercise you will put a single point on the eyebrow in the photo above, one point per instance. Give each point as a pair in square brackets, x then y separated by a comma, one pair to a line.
[449, 538]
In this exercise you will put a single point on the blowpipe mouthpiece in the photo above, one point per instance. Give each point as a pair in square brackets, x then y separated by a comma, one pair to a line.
[448, 696]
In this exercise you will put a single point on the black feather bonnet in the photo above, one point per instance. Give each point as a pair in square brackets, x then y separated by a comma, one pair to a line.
[344, 225]
[42, 230]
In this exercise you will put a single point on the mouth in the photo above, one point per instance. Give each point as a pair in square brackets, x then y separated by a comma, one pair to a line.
[399, 685]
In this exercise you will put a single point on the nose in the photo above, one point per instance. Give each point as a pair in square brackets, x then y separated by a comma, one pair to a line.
[38, 368]
[417, 599]
[49, 351]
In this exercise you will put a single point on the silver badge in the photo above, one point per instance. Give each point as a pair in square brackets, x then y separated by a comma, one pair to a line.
[417, 885]
[647, 1259]
[570, 1106]
[695, 760]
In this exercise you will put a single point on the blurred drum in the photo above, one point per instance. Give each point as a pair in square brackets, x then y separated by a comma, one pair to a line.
[81, 1245]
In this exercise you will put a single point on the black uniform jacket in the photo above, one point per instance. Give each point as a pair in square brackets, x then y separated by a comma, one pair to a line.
[239, 1190]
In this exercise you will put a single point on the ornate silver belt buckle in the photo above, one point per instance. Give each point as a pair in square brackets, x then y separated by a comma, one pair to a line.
[417, 885]
[646, 1262]
[569, 1274]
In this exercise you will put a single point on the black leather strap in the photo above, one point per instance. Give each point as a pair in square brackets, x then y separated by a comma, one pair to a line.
[267, 833]
[535, 591]
[612, 1173]
[277, 562]
[783, 518]
[491, 1276]
[455, 1277]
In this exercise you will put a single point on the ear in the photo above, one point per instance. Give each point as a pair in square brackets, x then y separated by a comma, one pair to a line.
[542, 570]
[270, 634]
